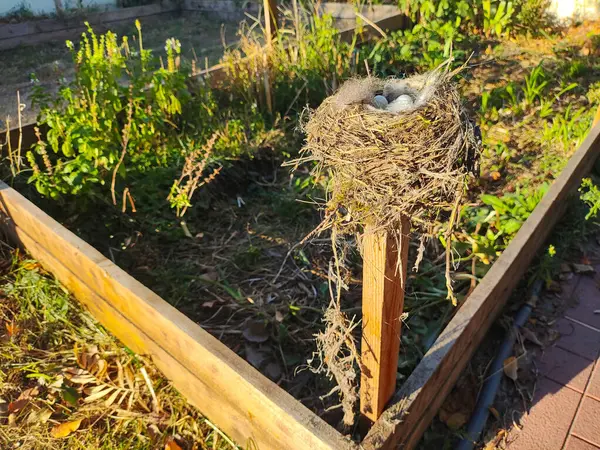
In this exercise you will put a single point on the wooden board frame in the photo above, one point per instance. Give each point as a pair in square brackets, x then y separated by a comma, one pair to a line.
[244, 403]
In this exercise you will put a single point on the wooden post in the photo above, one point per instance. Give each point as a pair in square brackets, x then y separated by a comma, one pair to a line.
[271, 14]
[382, 305]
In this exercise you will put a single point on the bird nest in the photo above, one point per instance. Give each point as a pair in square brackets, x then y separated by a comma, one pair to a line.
[393, 148]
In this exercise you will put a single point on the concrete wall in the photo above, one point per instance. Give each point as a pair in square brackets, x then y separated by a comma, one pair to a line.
[47, 6]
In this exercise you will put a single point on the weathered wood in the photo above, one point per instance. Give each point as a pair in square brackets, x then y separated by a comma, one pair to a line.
[348, 10]
[244, 403]
[224, 8]
[384, 279]
[37, 31]
[420, 397]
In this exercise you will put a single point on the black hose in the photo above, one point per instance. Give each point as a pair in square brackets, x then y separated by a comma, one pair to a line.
[492, 383]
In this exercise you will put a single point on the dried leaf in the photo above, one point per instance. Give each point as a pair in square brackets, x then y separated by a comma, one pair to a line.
[279, 316]
[495, 175]
[23, 400]
[17, 405]
[39, 416]
[120, 376]
[584, 269]
[210, 276]
[98, 395]
[172, 445]
[209, 304]
[255, 357]
[110, 400]
[100, 368]
[64, 429]
[494, 412]
[565, 268]
[255, 331]
[530, 336]
[510, 368]
[456, 420]
[12, 328]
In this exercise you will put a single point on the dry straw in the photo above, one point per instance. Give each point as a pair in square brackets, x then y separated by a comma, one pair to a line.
[384, 164]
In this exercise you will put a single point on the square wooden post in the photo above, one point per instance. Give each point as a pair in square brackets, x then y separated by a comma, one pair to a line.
[382, 306]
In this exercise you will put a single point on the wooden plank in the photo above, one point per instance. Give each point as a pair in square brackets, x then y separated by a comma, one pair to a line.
[35, 32]
[398, 21]
[12, 30]
[244, 403]
[382, 306]
[348, 10]
[420, 397]
[224, 8]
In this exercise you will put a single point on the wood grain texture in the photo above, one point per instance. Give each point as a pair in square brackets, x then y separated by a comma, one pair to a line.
[420, 397]
[384, 279]
[38, 31]
[244, 403]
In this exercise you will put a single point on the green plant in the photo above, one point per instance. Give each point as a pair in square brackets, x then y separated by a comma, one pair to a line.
[491, 226]
[535, 83]
[590, 195]
[533, 15]
[119, 114]
[567, 129]
[497, 17]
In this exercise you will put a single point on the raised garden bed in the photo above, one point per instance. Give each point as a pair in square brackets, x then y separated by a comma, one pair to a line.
[226, 388]
[233, 394]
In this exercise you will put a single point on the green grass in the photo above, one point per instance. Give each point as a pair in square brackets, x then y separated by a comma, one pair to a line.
[43, 334]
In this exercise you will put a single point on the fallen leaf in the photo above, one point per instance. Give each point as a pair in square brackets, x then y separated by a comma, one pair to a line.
[565, 268]
[510, 368]
[583, 269]
[456, 420]
[172, 445]
[530, 336]
[566, 276]
[255, 331]
[101, 393]
[273, 371]
[39, 416]
[255, 357]
[495, 175]
[17, 405]
[64, 429]
[24, 398]
[210, 276]
[30, 266]
[279, 316]
[12, 328]
[494, 412]
[209, 304]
